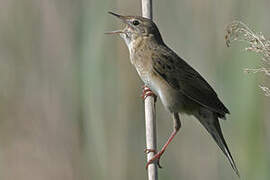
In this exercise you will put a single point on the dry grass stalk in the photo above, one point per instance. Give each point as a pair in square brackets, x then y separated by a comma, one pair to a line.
[150, 110]
[238, 31]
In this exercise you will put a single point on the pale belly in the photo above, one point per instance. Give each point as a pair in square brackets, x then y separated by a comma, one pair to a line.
[172, 100]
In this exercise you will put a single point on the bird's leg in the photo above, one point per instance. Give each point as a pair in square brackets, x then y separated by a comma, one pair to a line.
[147, 92]
[177, 125]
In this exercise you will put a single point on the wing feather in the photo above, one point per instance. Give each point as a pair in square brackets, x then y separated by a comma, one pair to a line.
[182, 77]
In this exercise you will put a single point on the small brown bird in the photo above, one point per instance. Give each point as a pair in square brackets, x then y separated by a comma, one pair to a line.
[180, 88]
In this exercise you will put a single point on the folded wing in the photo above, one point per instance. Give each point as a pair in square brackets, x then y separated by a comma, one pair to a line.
[182, 77]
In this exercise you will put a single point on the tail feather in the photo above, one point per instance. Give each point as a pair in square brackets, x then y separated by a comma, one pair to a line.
[210, 121]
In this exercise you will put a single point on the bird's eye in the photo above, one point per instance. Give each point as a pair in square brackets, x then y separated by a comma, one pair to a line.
[135, 22]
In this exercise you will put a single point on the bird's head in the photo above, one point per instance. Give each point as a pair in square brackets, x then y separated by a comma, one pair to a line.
[137, 27]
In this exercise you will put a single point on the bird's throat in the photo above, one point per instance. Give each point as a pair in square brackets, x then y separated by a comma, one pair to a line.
[135, 44]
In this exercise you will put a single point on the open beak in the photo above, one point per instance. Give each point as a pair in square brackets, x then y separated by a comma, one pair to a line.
[120, 17]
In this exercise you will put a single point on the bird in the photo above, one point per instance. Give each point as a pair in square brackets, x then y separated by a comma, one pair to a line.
[181, 89]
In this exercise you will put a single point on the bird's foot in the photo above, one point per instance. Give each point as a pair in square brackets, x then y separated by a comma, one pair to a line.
[156, 159]
[147, 92]
[149, 150]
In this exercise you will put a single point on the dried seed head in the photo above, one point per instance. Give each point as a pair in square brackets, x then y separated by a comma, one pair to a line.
[238, 31]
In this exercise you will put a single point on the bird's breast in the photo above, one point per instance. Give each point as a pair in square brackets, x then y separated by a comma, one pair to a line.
[141, 57]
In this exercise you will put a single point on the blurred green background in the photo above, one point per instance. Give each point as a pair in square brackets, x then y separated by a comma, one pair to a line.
[70, 105]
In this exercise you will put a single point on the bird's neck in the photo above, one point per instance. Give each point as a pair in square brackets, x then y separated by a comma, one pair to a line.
[141, 50]
[142, 44]
[136, 45]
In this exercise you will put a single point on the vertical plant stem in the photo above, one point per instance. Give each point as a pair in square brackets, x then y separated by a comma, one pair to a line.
[147, 9]
[150, 110]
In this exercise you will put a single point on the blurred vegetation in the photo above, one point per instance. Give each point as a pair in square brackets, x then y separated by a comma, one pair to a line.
[70, 101]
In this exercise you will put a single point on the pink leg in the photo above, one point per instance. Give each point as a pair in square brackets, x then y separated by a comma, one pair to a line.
[177, 125]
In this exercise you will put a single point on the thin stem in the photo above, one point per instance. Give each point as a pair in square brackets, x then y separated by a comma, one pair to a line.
[150, 110]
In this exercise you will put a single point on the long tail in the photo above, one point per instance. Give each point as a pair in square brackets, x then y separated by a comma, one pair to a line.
[210, 121]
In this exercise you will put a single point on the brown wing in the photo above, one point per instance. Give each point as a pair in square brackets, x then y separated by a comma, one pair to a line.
[185, 79]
